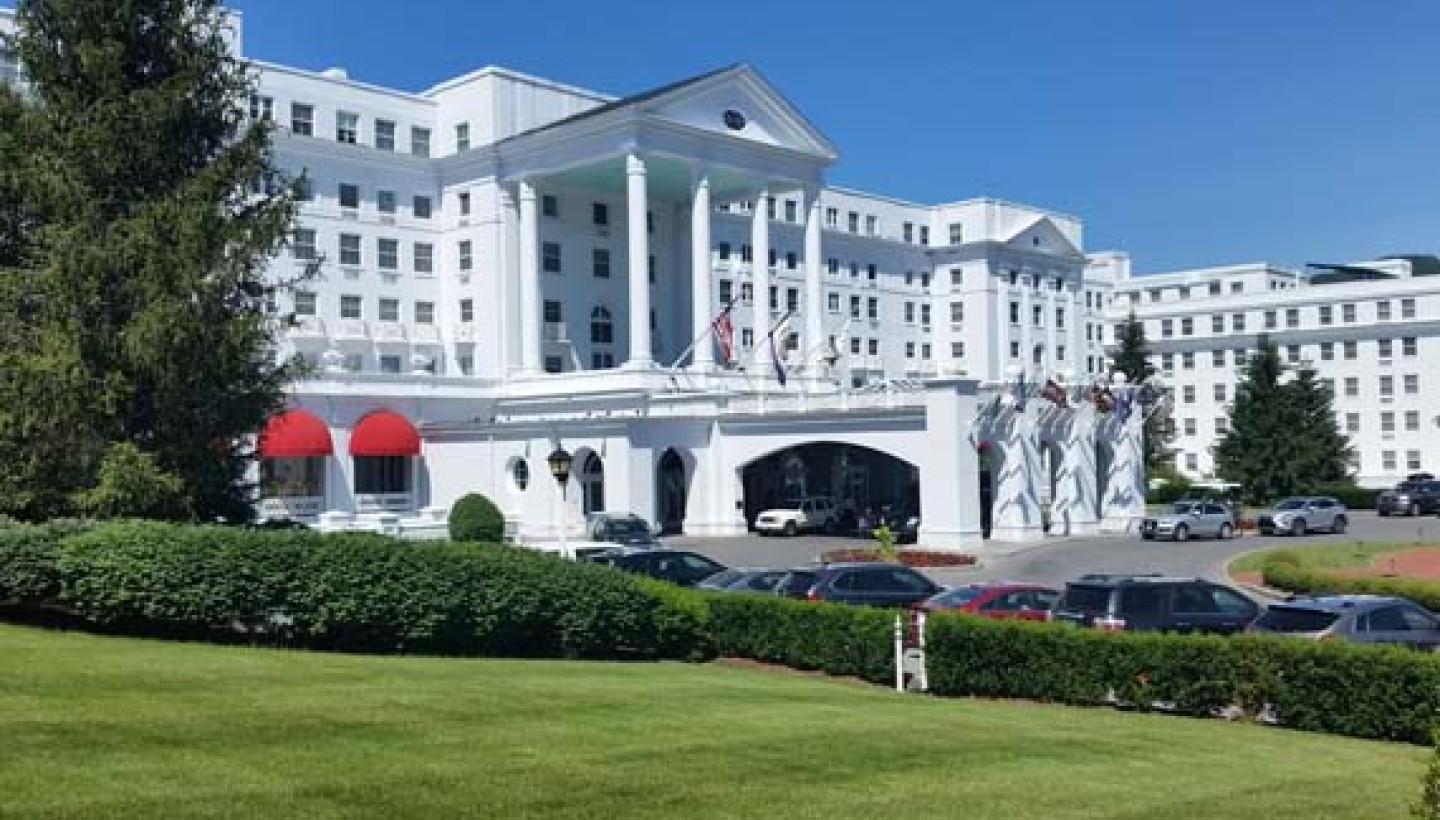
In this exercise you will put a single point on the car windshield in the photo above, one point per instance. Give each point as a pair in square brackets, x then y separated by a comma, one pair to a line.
[1406, 487]
[1296, 619]
[1085, 599]
[626, 526]
[1291, 504]
[1181, 508]
[957, 597]
[724, 578]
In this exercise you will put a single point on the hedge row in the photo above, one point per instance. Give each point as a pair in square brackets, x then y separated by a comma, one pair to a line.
[1371, 692]
[345, 592]
[1302, 581]
[833, 638]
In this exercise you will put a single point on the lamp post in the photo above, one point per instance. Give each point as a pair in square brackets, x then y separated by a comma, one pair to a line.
[560, 462]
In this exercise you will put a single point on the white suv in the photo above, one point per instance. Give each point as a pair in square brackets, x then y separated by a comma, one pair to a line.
[801, 515]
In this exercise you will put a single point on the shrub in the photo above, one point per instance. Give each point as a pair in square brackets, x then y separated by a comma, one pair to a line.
[833, 638]
[1296, 579]
[682, 621]
[1428, 807]
[476, 518]
[1351, 495]
[132, 485]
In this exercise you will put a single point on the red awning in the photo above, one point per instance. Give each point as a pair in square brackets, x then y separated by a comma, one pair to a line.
[383, 433]
[295, 434]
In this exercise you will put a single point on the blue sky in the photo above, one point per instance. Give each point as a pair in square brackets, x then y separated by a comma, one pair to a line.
[1187, 133]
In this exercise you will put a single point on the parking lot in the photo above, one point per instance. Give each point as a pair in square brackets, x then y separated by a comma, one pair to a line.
[1057, 560]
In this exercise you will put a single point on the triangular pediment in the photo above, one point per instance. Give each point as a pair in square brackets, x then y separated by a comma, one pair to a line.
[1043, 236]
[738, 103]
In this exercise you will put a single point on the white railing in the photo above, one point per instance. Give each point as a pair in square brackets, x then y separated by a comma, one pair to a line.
[384, 502]
[352, 329]
[426, 334]
[302, 506]
[555, 332]
[389, 332]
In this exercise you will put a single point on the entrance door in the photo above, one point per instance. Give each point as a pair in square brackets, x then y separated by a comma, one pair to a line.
[671, 488]
[592, 483]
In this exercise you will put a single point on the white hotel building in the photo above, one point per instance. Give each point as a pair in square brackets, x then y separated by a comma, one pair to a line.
[1366, 328]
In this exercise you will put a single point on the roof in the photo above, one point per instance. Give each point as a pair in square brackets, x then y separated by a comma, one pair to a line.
[1102, 579]
[623, 102]
[1341, 603]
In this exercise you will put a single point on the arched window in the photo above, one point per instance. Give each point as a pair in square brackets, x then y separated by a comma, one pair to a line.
[602, 329]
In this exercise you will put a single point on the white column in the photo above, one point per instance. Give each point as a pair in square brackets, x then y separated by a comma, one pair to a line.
[1027, 327]
[1075, 356]
[700, 269]
[814, 298]
[1075, 509]
[638, 249]
[950, 469]
[760, 272]
[530, 315]
[1016, 515]
[1124, 503]
[1000, 357]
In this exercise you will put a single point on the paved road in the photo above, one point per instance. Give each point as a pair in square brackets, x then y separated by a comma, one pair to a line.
[1055, 561]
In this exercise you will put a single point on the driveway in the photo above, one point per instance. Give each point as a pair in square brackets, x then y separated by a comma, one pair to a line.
[1058, 560]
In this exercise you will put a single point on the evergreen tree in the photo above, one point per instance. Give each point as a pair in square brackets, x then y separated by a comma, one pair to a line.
[1282, 438]
[1133, 358]
[139, 208]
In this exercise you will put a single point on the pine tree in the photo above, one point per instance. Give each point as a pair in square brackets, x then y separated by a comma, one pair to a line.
[139, 208]
[1133, 358]
[1282, 438]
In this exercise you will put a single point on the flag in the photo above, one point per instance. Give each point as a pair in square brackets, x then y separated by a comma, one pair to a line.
[775, 350]
[1055, 394]
[725, 335]
[1017, 392]
[1123, 401]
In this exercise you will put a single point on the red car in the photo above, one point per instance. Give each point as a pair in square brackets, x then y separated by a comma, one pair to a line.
[996, 599]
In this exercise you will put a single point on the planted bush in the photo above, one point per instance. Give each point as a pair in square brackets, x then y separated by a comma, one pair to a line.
[838, 639]
[1281, 574]
[476, 518]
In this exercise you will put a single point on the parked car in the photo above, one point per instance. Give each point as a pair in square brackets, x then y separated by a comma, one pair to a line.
[996, 599]
[576, 550]
[1410, 498]
[676, 566]
[744, 579]
[621, 528]
[1142, 603]
[1357, 618]
[1187, 519]
[815, 514]
[1302, 515]
[874, 584]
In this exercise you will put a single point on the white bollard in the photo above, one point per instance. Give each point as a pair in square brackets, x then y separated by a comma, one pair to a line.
[899, 655]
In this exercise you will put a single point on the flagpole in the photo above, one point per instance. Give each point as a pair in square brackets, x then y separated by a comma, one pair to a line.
[709, 331]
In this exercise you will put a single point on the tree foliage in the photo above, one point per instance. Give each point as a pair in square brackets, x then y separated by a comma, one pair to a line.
[1282, 437]
[139, 208]
[1134, 359]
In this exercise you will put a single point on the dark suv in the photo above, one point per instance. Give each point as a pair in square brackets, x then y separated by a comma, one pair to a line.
[676, 566]
[1410, 498]
[872, 584]
[1154, 603]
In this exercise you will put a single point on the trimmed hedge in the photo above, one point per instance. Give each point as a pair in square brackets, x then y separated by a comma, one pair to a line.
[344, 592]
[1281, 574]
[1351, 495]
[476, 518]
[833, 638]
[1384, 693]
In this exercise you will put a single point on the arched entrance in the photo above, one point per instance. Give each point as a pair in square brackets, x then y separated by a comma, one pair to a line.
[671, 490]
[592, 483]
[863, 483]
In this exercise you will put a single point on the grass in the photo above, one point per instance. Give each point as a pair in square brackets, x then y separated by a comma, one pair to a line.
[98, 727]
[1325, 556]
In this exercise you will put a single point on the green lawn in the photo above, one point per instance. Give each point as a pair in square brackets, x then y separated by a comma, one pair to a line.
[1324, 556]
[94, 727]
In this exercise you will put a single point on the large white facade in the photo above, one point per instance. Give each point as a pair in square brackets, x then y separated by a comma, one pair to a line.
[1367, 329]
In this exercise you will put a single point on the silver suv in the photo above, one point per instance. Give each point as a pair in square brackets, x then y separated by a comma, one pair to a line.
[1304, 514]
[1186, 519]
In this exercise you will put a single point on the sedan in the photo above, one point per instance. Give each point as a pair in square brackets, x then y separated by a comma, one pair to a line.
[1302, 515]
[676, 566]
[1356, 618]
[999, 599]
[744, 579]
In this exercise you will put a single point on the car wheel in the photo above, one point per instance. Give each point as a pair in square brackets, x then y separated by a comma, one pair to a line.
[1383, 513]
[790, 529]
[1298, 528]
[1340, 525]
[1226, 532]
[1182, 533]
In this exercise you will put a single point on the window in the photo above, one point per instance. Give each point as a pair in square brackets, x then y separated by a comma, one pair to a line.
[871, 272]
[1347, 312]
[466, 365]
[424, 257]
[1352, 422]
[1217, 324]
[553, 312]
[1352, 386]
[1385, 348]
[854, 347]
[1412, 421]
[833, 302]
[1014, 313]
[554, 364]
[1192, 462]
[385, 135]
[1271, 320]
[350, 249]
[351, 307]
[390, 364]
[872, 225]
[1191, 427]
[1409, 346]
[347, 127]
[774, 297]
[549, 205]
[832, 217]
[1292, 353]
[467, 255]
[389, 310]
[1327, 351]
[1167, 362]
[874, 347]
[855, 307]
[957, 350]
[1327, 315]
[791, 211]
[1167, 328]
[261, 108]
[924, 234]
[349, 196]
[1292, 317]
[791, 261]
[1217, 358]
[1188, 393]
[424, 313]
[792, 299]
[769, 207]
[1237, 322]
[602, 330]
[1037, 315]
[600, 214]
[957, 312]
[957, 233]
[1237, 287]
[1387, 460]
[420, 207]
[909, 350]
[600, 264]
[1187, 361]
[1387, 422]
[303, 244]
[462, 137]
[852, 220]
[1220, 391]
[305, 303]
[1412, 384]
[388, 253]
[302, 119]
[925, 316]
[1412, 462]
[1387, 387]
[872, 308]
[1187, 327]
[1407, 308]
[1214, 289]
[1014, 350]
[910, 313]
[550, 257]
[467, 310]
[462, 202]
[385, 202]
[420, 142]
